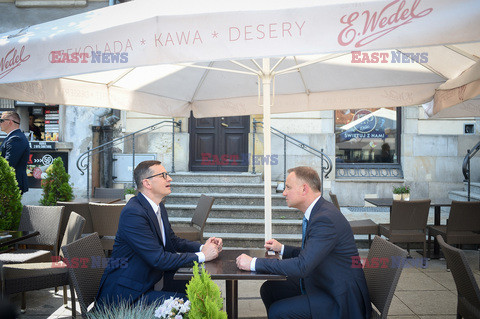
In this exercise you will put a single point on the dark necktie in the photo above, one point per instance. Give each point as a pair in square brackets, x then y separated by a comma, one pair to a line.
[304, 231]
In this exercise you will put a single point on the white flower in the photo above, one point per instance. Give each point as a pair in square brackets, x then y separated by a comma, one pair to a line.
[172, 308]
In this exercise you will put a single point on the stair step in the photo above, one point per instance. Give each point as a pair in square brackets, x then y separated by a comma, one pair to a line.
[225, 199]
[205, 188]
[217, 177]
[462, 195]
[228, 225]
[474, 187]
[234, 211]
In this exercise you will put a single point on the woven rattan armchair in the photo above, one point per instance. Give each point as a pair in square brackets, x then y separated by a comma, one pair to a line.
[463, 225]
[468, 294]
[46, 220]
[360, 226]
[82, 209]
[408, 223]
[86, 281]
[34, 276]
[105, 218]
[195, 230]
[382, 281]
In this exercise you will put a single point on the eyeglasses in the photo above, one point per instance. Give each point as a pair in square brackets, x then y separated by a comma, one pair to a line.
[164, 175]
[3, 120]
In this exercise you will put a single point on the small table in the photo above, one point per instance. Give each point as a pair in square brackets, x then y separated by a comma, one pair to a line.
[438, 204]
[225, 268]
[16, 236]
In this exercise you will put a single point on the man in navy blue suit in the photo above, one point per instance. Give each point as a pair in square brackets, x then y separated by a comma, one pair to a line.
[147, 252]
[321, 282]
[15, 148]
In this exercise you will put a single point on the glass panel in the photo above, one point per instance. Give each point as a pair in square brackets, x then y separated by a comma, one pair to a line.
[366, 136]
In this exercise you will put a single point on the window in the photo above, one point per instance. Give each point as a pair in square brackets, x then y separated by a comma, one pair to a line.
[367, 136]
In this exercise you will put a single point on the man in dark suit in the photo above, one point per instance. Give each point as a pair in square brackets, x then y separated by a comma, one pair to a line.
[15, 148]
[321, 282]
[147, 252]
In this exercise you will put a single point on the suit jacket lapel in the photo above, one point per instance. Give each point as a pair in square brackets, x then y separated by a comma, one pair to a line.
[151, 215]
[167, 228]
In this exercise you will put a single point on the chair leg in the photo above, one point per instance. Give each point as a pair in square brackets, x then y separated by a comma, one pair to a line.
[369, 240]
[424, 258]
[23, 308]
[74, 307]
[65, 297]
[428, 246]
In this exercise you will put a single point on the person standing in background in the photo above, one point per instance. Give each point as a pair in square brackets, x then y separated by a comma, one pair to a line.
[15, 148]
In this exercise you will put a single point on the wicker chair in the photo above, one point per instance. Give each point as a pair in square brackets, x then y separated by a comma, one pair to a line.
[463, 225]
[108, 193]
[468, 294]
[86, 281]
[105, 218]
[195, 230]
[46, 220]
[408, 223]
[361, 226]
[34, 276]
[382, 281]
[83, 210]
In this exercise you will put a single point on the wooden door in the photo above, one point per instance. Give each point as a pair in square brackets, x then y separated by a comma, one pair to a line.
[219, 143]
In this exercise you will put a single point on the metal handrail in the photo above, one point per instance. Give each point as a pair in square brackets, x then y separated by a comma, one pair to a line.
[466, 166]
[83, 161]
[326, 166]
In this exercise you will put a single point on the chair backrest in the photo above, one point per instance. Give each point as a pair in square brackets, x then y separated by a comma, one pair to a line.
[86, 280]
[409, 215]
[105, 218]
[462, 273]
[73, 230]
[202, 211]
[334, 199]
[382, 275]
[108, 193]
[464, 216]
[46, 220]
[83, 210]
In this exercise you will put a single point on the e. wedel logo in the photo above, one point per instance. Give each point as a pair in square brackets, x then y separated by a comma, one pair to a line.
[12, 60]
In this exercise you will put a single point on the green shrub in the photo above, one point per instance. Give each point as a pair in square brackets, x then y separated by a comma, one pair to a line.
[206, 301]
[55, 186]
[10, 197]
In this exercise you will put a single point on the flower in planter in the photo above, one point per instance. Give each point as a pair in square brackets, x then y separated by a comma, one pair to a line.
[173, 308]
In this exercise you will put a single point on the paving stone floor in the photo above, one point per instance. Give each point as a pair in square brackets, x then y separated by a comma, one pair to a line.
[421, 294]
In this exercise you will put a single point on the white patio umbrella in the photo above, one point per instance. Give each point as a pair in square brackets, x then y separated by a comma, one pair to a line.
[170, 58]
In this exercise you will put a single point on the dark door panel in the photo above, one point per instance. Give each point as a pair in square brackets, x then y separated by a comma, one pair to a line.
[219, 143]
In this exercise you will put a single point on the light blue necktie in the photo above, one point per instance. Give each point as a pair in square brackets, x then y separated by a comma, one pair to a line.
[304, 231]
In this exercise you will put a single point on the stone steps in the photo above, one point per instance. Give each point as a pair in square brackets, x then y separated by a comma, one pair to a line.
[214, 177]
[226, 188]
[234, 212]
[225, 199]
[463, 195]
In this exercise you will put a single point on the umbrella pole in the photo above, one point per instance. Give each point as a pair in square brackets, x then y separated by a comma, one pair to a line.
[267, 169]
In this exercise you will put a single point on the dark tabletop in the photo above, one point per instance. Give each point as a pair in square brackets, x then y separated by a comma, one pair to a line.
[388, 201]
[224, 267]
[16, 236]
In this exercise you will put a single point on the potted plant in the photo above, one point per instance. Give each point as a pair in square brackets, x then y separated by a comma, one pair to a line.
[129, 193]
[10, 197]
[406, 193]
[397, 192]
[55, 186]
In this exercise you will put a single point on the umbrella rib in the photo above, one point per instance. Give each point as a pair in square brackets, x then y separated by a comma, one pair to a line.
[121, 76]
[463, 53]
[244, 66]
[204, 76]
[426, 66]
[307, 91]
[215, 69]
[322, 59]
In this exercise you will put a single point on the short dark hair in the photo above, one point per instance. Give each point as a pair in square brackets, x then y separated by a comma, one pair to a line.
[142, 171]
[12, 115]
[308, 175]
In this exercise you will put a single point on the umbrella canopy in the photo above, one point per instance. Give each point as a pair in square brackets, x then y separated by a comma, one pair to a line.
[170, 58]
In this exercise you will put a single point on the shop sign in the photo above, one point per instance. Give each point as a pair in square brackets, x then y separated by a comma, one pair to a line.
[38, 164]
[42, 145]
